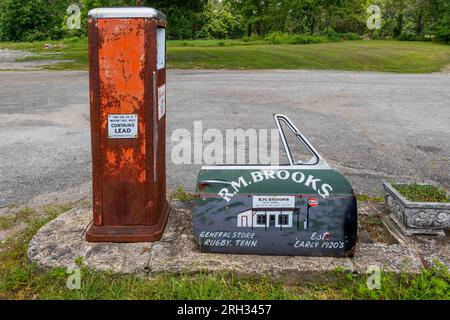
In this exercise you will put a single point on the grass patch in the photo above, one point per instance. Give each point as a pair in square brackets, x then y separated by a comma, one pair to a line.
[56, 210]
[215, 43]
[16, 273]
[96, 285]
[367, 198]
[371, 220]
[432, 284]
[284, 38]
[27, 215]
[422, 193]
[378, 55]
[6, 222]
[386, 56]
[10, 220]
[182, 195]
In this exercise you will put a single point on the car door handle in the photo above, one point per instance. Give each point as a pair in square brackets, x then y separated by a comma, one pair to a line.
[209, 182]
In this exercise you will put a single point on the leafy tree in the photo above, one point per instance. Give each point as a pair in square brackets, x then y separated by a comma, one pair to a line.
[85, 6]
[183, 17]
[29, 20]
[441, 15]
[219, 21]
[256, 14]
[348, 16]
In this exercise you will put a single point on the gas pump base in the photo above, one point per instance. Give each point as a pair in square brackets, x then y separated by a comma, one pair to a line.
[138, 233]
[305, 208]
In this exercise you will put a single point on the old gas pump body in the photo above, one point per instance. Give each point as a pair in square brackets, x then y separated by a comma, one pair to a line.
[301, 208]
[127, 76]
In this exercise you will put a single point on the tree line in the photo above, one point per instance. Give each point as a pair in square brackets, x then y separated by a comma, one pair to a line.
[30, 20]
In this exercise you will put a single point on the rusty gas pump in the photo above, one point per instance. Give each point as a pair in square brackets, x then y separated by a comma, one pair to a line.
[127, 76]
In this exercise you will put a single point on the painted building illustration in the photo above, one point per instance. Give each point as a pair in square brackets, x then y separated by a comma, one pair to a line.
[269, 218]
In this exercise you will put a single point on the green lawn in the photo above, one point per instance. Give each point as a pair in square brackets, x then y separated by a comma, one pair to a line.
[381, 55]
[388, 56]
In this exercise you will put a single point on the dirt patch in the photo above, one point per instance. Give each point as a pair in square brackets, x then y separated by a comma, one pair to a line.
[446, 69]
[372, 226]
[375, 228]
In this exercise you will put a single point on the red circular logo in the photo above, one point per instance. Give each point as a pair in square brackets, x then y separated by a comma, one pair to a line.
[313, 202]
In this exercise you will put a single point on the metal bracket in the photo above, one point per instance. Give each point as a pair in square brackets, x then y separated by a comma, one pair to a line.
[155, 128]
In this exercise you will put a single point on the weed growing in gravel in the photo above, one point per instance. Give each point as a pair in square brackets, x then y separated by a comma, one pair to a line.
[182, 195]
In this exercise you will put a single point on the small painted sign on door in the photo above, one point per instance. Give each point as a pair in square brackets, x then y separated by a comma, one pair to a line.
[273, 201]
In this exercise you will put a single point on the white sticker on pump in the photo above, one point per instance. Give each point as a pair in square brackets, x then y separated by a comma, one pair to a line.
[160, 48]
[122, 126]
[161, 101]
[264, 202]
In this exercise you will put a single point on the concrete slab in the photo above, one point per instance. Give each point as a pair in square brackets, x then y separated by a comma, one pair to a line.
[394, 258]
[61, 242]
[432, 249]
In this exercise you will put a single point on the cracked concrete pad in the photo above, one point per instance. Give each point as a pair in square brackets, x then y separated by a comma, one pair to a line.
[61, 242]
[433, 248]
[394, 258]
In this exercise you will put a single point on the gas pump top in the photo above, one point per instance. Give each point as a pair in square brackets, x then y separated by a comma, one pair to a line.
[126, 12]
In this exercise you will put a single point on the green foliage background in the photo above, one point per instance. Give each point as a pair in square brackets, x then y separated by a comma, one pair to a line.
[29, 20]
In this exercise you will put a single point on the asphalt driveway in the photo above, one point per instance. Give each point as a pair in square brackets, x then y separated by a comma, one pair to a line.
[371, 126]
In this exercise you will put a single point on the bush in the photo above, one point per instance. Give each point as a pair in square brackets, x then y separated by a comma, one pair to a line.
[350, 36]
[285, 38]
[252, 38]
[331, 34]
[278, 37]
[182, 24]
[306, 39]
[413, 37]
[442, 29]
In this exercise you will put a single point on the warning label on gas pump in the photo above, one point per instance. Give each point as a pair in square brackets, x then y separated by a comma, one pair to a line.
[122, 126]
